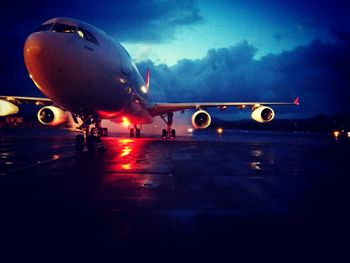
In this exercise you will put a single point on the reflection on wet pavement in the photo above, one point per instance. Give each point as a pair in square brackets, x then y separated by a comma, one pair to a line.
[152, 188]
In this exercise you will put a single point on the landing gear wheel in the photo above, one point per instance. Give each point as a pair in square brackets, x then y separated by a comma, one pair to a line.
[168, 132]
[91, 143]
[173, 134]
[138, 133]
[79, 143]
[132, 133]
[164, 134]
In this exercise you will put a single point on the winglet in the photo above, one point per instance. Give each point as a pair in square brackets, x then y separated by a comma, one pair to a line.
[147, 78]
[296, 101]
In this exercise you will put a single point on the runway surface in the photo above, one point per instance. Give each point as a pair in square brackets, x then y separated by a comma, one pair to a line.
[242, 191]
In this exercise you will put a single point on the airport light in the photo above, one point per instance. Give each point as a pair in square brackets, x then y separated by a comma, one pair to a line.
[220, 131]
[336, 134]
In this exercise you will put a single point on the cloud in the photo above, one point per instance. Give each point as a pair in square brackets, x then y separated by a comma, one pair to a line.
[132, 21]
[277, 37]
[339, 33]
[318, 73]
[138, 21]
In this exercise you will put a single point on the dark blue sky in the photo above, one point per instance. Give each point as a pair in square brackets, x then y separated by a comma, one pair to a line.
[209, 50]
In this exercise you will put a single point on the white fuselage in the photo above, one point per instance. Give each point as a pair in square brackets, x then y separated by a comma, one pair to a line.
[86, 74]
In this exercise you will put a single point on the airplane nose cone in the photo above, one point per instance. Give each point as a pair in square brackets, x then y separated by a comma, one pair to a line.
[39, 57]
[33, 51]
[45, 57]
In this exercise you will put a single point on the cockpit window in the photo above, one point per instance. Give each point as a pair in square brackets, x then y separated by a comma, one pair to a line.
[45, 27]
[126, 52]
[87, 35]
[61, 28]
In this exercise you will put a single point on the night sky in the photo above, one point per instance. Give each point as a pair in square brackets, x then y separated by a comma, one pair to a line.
[209, 50]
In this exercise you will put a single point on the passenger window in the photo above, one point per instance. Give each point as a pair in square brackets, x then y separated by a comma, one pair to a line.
[61, 28]
[45, 27]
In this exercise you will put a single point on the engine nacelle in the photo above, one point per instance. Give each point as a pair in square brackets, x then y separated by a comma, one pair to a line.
[52, 116]
[201, 119]
[263, 114]
[7, 108]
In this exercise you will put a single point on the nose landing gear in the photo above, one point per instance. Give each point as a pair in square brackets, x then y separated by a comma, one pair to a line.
[91, 137]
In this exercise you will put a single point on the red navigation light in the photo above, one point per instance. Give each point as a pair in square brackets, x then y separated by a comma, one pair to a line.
[296, 101]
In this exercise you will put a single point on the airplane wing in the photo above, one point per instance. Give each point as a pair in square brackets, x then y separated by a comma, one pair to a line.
[28, 100]
[162, 108]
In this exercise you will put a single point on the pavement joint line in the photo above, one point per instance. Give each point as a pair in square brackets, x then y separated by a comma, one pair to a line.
[38, 163]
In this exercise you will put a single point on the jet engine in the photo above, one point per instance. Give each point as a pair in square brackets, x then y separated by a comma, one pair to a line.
[7, 108]
[201, 119]
[263, 114]
[51, 116]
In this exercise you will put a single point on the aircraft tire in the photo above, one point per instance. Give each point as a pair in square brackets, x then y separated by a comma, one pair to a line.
[132, 133]
[173, 134]
[164, 134]
[138, 133]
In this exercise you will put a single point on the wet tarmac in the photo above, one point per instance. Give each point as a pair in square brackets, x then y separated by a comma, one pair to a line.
[249, 193]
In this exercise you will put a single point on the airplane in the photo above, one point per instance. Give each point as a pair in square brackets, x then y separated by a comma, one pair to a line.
[84, 72]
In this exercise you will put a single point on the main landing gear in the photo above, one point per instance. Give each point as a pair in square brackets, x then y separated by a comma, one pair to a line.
[135, 132]
[168, 132]
[91, 137]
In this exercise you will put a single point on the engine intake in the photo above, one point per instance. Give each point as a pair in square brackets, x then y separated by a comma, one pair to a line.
[7, 108]
[263, 114]
[51, 116]
[201, 119]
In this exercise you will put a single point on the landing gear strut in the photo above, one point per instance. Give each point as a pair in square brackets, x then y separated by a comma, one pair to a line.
[168, 132]
[91, 137]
